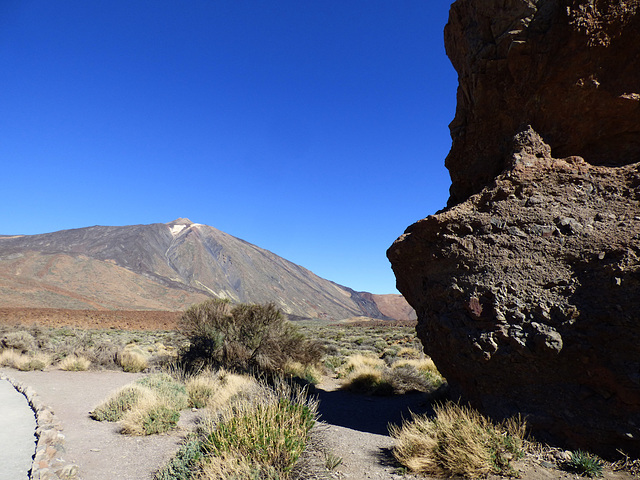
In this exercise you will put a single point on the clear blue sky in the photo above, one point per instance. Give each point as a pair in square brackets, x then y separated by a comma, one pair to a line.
[315, 129]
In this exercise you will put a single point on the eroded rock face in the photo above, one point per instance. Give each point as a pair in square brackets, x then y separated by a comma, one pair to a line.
[528, 296]
[527, 288]
[568, 68]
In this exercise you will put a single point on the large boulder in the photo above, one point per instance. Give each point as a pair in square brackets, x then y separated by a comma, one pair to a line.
[527, 287]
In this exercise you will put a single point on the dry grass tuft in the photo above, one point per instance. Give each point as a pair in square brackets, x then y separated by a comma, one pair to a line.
[114, 408]
[151, 414]
[74, 363]
[201, 388]
[261, 436]
[10, 358]
[132, 360]
[361, 362]
[20, 361]
[308, 373]
[369, 380]
[231, 386]
[458, 441]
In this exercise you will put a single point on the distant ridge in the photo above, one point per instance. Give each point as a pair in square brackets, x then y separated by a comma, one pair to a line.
[167, 266]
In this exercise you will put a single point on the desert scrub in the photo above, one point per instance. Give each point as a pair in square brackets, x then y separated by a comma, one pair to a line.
[214, 389]
[18, 340]
[260, 434]
[20, 361]
[369, 380]
[185, 464]
[243, 337]
[150, 416]
[132, 360]
[358, 362]
[307, 373]
[201, 388]
[458, 441]
[74, 363]
[150, 405]
[115, 407]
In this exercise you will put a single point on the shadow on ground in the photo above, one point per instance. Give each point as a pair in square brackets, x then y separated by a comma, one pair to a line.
[371, 414]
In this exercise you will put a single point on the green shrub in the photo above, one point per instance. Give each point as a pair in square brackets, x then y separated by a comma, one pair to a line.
[243, 337]
[114, 408]
[184, 465]
[268, 433]
[149, 418]
[18, 340]
[584, 464]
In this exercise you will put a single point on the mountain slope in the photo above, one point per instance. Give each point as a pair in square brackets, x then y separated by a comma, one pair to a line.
[164, 267]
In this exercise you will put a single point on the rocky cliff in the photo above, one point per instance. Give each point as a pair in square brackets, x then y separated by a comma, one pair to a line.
[568, 68]
[527, 288]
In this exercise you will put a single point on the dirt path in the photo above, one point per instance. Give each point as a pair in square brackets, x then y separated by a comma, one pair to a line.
[357, 429]
[97, 447]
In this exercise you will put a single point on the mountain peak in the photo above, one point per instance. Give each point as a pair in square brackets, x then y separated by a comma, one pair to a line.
[180, 221]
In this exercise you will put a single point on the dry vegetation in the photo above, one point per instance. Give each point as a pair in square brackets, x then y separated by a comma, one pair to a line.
[243, 435]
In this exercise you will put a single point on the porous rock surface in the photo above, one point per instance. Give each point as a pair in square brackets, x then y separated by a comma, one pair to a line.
[569, 68]
[527, 287]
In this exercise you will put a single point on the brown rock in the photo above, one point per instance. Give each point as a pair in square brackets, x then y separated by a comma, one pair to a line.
[568, 68]
[528, 296]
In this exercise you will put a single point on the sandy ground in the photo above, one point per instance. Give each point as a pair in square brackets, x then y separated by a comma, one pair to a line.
[97, 447]
[354, 428]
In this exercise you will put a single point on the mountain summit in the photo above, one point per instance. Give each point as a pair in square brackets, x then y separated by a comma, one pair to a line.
[164, 266]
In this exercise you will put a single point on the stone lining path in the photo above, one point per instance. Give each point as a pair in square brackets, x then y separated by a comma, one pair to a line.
[97, 447]
[17, 433]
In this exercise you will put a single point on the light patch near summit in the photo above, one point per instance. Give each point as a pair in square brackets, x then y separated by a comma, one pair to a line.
[176, 229]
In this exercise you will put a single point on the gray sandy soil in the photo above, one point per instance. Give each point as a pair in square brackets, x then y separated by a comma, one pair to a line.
[97, 447]
[354, 428]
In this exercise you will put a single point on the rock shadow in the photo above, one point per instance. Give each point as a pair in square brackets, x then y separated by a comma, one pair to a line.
[370, 414]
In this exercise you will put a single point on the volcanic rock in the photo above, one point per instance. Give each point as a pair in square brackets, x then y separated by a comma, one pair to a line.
[567, 68]
[527, 287]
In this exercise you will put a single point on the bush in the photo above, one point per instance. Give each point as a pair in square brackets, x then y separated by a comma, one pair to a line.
[149, 417]
[369, 380]
[458, 441]
[263, 435]
[132, 361]
[74, 363]
[243, 337]
[200, 389]
[114, 408]
[172, 392]
[18, 340]
[584, 464]
[184, 464]
[143, 396]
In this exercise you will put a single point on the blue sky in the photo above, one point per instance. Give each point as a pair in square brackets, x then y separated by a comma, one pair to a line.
[314, 129]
